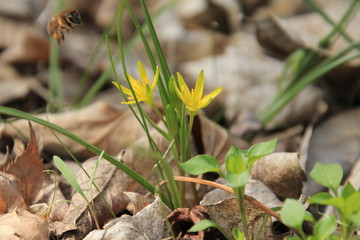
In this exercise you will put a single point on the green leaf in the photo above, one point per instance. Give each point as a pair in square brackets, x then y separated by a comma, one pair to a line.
[201, 164]
[260, 150]
[309, 217]
[355, 219]
[325, 227]
[320, 198]
[237, 180]
[68, 175]
[328, 175]
[237, 234]
[235, 161]
[203, 224]
[293, 238]
[347, 190]
[325, 198]
[352, 204]
[293, 214]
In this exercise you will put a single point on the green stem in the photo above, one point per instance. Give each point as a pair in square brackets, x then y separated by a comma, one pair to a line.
[240, 196]
[158, 113]
[190, 126]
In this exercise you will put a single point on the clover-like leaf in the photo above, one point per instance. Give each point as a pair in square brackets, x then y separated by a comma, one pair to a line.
[260, 150]
[328, 175]
[293, 214]
[201, 164]
[237, 180]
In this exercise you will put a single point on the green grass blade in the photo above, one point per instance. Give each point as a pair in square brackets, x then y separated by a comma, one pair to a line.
[278, 103]
[163, 64]
[312, 4]
[68, 175]
[127, 170]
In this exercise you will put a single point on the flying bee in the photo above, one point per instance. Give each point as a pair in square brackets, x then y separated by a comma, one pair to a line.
[63, 21]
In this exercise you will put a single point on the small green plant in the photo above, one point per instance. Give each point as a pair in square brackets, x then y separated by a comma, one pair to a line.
[238, 164]
[307, 65]
[345, 200]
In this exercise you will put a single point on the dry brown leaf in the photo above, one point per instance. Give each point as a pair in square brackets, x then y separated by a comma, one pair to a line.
[212, 139]
[100, 124]
[254, 189]
[147, 224]
[111, 182]
[226, 13]
[282, 173]
[226, 214]
[182, 219]
[10, 196]
[224, 209]
[21, 224]
[306, 30]
[57, 204]
[281, 8]
[10, 30]
[337, 140]
[21, 9]
[136, 202]
[30, 48]
[27, 169]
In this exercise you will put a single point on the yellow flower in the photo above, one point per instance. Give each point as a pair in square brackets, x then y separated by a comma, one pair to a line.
[194, 100]
[142, 89]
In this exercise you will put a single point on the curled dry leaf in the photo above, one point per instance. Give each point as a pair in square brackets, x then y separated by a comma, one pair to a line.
[182, 219]
[147, 224]
[282, 173]
[27, 169]
[10, 196]
[335, 141]
[21, 224]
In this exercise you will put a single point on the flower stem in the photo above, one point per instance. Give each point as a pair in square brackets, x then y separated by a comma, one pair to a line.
[191, 123]
[240, 196]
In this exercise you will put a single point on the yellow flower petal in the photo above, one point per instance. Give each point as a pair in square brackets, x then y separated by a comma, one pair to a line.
[182, 83]
[141, 89]
[142, 73]
[199, 87]
[156, 78]
[194, 101]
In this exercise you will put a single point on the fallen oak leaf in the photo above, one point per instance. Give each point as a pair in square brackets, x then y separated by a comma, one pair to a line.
[27, 169]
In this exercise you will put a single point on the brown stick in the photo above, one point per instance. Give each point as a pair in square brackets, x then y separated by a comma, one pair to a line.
[225, 188]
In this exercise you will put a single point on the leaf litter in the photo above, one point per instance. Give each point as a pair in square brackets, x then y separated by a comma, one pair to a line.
[248, 64]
